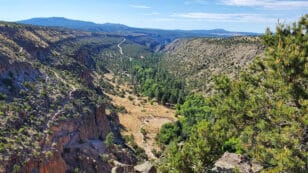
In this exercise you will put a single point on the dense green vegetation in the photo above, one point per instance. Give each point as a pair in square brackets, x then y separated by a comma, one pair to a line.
[150, 79]
[262, 115]
[159, 85]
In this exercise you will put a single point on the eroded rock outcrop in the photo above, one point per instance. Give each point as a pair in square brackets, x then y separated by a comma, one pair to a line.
[231, 162]
[145, 167]
[78, 145]
[14, 73]
[52, 165]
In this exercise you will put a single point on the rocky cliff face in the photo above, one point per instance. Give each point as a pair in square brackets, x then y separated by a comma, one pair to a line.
[13, 74]
[78, 145]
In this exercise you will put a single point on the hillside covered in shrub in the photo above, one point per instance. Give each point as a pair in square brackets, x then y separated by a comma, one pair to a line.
[261, 115]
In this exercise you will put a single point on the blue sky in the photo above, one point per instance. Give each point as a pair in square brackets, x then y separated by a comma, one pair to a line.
[234, 15]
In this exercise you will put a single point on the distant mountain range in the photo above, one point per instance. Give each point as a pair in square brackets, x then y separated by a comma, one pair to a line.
[76, 24]
[119, 28]
[155, 38]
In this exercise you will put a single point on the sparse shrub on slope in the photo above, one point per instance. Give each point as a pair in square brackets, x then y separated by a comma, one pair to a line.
[198, 60]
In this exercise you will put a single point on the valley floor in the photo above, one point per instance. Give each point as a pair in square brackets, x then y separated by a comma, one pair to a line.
[140, 114]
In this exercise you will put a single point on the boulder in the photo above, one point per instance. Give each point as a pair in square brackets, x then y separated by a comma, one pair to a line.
[230, 162]
[121, 168]
[146, 167]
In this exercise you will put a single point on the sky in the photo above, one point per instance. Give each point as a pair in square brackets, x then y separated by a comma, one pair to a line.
[232, 15]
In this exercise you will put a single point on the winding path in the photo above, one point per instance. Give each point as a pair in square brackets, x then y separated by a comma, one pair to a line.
[119, 46]
[59, 111]
[64, 81]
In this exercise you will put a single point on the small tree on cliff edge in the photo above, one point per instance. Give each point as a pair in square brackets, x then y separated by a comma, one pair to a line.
[109, 141]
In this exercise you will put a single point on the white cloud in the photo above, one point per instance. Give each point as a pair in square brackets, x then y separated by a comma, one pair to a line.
[227, 17]
[164, 19]
[152, 14]
[271, 4]
[139, 6]
[200, 15]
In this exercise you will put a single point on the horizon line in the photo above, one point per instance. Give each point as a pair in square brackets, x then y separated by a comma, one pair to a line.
[136, 27]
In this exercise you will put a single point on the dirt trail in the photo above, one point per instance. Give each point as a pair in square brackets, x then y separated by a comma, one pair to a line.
[119, 46]
[141, 114]
[73, 87]
[58, 112]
